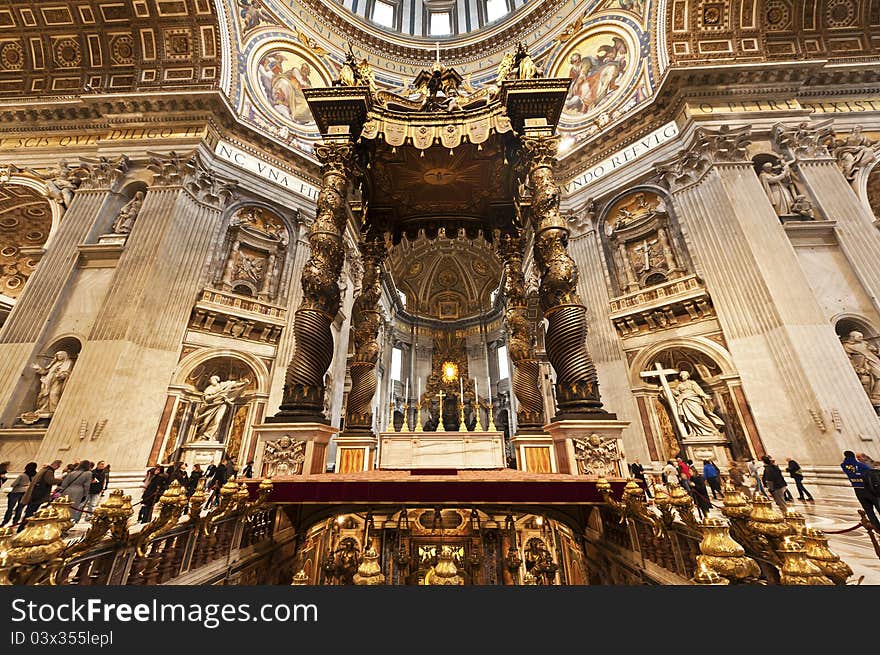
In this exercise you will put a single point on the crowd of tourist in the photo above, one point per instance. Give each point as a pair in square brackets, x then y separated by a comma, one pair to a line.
[765, 477]
[84, 482]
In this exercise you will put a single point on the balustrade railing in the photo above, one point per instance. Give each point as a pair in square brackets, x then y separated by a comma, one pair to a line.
[167, 548]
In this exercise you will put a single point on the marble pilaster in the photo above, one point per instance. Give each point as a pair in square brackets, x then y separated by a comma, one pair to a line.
[793, 370]
[124, 369]
[25, 328]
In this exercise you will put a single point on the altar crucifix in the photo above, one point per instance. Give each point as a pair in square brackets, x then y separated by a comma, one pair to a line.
[661, 374]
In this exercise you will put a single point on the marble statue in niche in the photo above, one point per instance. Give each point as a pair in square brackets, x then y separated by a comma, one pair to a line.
[865, 361]
[53, 379]
[217, 398]
[128, 214]
[782, 191]
[695, 408]
[284, 456]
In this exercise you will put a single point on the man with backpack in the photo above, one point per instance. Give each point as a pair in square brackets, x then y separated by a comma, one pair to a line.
[865, 482]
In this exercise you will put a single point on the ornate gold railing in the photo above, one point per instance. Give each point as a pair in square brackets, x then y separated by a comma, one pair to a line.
[753, 544]
[168, 547]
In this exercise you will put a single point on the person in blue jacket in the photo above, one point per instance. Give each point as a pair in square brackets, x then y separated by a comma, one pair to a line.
[857, 472]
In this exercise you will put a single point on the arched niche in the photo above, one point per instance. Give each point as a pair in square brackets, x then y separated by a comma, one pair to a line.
[51, 372]
[254, 252]
[861, 343]
[214, 399]
[641, 240]
[716, 422]
[27, 221]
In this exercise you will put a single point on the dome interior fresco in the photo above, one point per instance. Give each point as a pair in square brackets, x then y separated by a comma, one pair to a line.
[25, 223]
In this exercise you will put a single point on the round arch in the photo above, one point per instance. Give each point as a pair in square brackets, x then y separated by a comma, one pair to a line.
[703, 345]
[194, 359]
[846, 322]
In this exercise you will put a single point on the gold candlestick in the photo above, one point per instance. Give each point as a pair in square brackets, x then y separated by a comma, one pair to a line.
[492, 427]
[461, 426]
[419, 427]
[390, 426]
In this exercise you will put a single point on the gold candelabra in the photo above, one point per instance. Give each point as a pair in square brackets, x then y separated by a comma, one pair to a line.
[406, 426]
[419, 427]
[492, 427]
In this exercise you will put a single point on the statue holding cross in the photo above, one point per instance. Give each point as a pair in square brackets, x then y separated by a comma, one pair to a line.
[693, 415]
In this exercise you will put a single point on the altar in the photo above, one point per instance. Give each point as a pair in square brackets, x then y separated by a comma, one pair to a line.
[441, 450]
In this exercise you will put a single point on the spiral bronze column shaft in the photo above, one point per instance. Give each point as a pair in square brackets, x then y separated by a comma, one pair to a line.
[365, 331]
[303, 398]
[577, 387]
[520, 337]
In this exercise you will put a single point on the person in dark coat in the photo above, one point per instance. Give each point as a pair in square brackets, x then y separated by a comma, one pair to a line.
[638, 472]
[194, 477]
[700, 493]
[794, 470]
[153, 491]
[248, 471]
[19, 486]
[774, 482]
[39, 491]
[858, 473]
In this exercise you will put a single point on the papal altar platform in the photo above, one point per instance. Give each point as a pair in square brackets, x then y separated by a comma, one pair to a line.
[496, 487]
[437, 450]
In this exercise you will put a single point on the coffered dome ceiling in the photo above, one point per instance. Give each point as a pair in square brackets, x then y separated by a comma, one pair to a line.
[443, 278]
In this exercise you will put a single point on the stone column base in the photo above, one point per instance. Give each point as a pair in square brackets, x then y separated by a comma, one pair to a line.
[534, 452]
[585, 447]
[315, 436]
[355, 452]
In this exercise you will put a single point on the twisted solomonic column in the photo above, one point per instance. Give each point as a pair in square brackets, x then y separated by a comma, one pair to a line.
[367, 318]
[577, 388]
[304, 381]
[520, 337]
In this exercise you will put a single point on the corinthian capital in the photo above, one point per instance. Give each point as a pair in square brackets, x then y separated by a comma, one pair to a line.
[708, 147]
[206, 186]
[541, 150]
[168, 169]
[336, 157]
[103, 172]
[806, 140]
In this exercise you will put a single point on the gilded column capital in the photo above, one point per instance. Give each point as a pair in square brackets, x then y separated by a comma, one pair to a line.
[808, 140]
[336, 157]
[103, 172]
[541, 150]
[707, 148]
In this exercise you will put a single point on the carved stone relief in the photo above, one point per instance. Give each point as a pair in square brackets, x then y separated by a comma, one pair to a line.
[597, 456]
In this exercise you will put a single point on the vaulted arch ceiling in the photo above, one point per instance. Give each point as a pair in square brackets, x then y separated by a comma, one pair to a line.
[50, 47]
[707, 31]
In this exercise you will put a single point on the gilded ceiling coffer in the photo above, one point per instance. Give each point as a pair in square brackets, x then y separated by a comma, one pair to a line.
[367, 317]
[304, 381]
[577, 387]
[521, 337]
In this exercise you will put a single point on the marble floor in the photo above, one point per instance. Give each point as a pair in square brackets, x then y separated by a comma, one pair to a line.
[833, 511]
